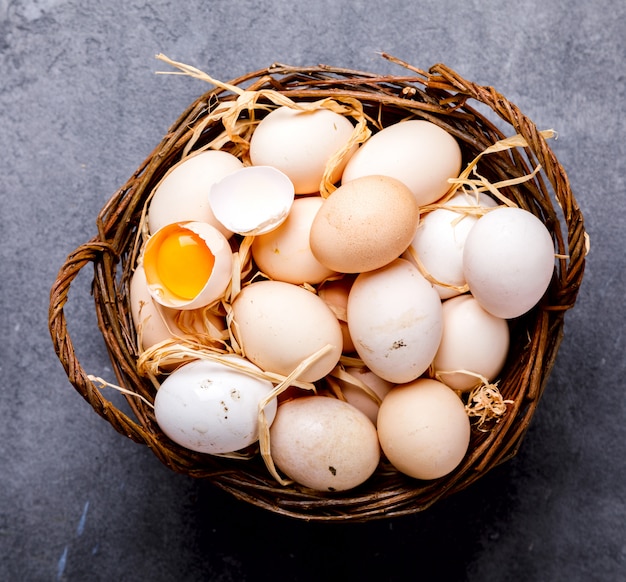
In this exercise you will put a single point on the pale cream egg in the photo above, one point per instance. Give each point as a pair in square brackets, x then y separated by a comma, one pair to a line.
[279, 325]
[419, 153]
[474, 345]
[284, 253]
[395, 321]
[301, 144]
[423, 429]
[324, 443]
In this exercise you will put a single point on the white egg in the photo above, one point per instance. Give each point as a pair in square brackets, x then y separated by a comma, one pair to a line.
[182, 195]
[508, 261]
[473, 341]
[440, 238]
[253, 200]
[419, 153]
[395, 321]
[301, 144]
[209, 407]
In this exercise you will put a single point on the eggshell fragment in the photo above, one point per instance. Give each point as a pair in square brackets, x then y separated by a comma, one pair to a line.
[209, 407]
[423, 429]
[253, 200]
[182, 195]
[364, 224]
[301, 144]
[284, 253]
[473, 340]
[279, 325]
[419, 153]
[324, 443]
[508, 261]
[395, 321]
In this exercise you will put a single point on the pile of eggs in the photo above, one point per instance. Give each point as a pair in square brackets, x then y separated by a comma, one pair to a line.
[391, 313]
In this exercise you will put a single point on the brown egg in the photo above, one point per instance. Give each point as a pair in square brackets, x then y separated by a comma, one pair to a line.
[364, 224]
[324, 443]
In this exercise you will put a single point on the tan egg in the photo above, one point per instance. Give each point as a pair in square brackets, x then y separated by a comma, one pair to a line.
[155, 323]
[284, 254]
[474, 343]
[419, 153]
[423, 429]
[364, 224]
[279, 325]
[324, 443]
[183, 194]
[358, 397]
[300, 144]
[335, 295]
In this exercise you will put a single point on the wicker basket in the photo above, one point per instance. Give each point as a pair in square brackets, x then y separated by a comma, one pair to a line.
[439, 95]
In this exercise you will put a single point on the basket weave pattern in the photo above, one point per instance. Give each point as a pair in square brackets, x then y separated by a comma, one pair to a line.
[440, 96]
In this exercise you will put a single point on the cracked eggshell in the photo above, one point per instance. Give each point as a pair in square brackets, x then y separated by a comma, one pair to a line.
[220, 272]
[324, 443]
[253, 200]
[395, 321]
[182, 195]
[209, 407]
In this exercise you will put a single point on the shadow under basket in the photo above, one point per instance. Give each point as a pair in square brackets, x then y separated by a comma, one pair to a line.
[438, 95]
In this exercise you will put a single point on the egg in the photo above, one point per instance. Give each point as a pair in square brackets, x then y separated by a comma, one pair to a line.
[395, 321]
[508, 261]
[358, 397]
[284, 253]
[301, 144]
[253, 200]
[155, 323]
[182, 195]
[440, 238]
[473, 340]
[188, 265]
[210, 407]
[423, 429]
[335, 293]
[364, 224]
[419, 153]
[279, 325]
[324, 443]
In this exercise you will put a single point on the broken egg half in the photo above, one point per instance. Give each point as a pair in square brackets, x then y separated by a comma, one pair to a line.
[187, 265]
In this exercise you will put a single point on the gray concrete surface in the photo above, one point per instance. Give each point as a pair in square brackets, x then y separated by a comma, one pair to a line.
[81, 107]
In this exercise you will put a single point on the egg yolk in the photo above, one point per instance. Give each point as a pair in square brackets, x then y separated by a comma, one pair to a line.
[183, 263]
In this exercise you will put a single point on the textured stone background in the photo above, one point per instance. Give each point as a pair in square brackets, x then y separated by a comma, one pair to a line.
[81, 107]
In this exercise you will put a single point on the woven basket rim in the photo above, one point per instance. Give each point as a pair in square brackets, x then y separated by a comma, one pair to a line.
[440, 95]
